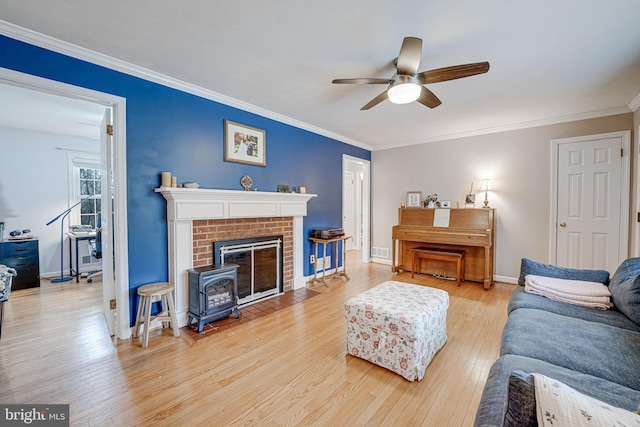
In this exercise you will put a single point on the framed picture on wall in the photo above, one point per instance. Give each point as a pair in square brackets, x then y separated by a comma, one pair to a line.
[244, 144]
[414, 199]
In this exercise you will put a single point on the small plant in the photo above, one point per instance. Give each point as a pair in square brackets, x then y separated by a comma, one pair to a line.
[430, 200]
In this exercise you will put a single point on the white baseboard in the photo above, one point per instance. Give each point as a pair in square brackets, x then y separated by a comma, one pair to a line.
[381, 261]
[506, 279]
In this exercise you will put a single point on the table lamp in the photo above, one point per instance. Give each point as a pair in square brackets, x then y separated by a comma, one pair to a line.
[486, 187]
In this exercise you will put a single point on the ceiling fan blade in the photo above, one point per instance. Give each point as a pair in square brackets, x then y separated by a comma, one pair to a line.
[409, 57]
[452, 73]
[375, 101]
[362, 81]
[428, 98]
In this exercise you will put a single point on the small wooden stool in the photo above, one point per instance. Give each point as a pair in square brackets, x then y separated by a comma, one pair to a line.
[147, 293]
[453, 255]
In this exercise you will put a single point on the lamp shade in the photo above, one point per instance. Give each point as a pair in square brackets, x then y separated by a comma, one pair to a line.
[486, 185]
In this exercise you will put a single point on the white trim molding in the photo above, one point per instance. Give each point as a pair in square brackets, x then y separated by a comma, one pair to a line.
[635, 103]
[184, 205]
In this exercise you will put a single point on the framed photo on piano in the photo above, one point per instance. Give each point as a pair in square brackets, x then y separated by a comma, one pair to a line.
[414, 199]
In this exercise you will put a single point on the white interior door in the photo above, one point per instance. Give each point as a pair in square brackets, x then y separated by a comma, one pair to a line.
[591, 219]
[106, 172]
[348, 216]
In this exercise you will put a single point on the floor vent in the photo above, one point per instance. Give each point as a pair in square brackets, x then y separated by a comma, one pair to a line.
[380, 252]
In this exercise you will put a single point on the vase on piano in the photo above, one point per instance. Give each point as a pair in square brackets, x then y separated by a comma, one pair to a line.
[430, 201]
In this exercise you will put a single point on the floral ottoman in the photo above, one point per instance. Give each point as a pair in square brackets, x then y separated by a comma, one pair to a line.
[399, 326]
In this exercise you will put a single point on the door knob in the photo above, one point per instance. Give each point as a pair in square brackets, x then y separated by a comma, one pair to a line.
[563, 224]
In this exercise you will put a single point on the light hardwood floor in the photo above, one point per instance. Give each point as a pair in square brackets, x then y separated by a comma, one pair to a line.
[287, 368]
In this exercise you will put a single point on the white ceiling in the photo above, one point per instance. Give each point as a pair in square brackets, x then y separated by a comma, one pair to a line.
[551, 60]
[22, 108]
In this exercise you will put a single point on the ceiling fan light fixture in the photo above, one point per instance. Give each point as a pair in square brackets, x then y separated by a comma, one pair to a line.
[404, 89]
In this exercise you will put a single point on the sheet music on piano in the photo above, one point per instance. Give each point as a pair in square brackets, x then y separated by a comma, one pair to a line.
[441, 217]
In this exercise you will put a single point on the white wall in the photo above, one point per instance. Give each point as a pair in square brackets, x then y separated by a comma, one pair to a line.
[519, 165]
[34, 188]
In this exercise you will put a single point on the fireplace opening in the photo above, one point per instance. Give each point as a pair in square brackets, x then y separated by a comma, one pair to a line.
[259, 262]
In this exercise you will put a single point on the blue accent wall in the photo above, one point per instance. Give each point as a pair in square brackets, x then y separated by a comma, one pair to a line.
[170, 130]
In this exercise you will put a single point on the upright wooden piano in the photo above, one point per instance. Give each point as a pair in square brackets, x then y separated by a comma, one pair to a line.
[470, 229]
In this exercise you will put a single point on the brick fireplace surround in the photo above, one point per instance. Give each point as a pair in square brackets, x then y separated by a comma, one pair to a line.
[197, 217]
[205, 232]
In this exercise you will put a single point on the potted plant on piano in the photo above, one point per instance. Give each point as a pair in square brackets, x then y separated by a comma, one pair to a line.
[430, 201]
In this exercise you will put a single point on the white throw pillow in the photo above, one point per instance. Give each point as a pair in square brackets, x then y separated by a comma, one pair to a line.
[559, 405]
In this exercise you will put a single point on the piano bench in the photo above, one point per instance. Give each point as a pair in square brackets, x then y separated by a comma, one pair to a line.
[453, 255]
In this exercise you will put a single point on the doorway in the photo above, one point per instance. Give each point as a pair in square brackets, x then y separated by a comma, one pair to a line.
[590, 201]
[356, 204]
[119, 283]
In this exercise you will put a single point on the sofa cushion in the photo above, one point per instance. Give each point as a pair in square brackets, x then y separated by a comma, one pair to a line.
[588, 347]
[613, 317]
[625, 288]
[528, 266]
[495, 400]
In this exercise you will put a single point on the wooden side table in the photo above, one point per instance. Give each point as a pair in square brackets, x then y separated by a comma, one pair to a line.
[322, 280]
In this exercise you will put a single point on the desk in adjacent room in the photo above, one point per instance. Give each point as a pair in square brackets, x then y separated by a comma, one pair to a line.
[77, 237]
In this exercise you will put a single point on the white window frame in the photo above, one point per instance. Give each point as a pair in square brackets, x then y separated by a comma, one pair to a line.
[75, 162]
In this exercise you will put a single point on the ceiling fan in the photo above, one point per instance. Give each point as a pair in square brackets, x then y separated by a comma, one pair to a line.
[406, 85]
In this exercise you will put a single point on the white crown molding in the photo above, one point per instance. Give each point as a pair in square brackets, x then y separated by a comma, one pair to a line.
[635, 103]
[41, 40]
[506, 128]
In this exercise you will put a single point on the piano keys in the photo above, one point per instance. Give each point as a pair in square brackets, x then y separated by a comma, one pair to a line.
[472, 230]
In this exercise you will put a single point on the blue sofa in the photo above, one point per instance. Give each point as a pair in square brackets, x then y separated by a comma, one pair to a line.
[596, 352]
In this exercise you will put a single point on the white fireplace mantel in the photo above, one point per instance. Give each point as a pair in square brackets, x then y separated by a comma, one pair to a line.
[196, 203]
[184, 205]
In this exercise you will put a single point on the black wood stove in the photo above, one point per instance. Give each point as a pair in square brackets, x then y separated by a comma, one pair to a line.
[213, 293]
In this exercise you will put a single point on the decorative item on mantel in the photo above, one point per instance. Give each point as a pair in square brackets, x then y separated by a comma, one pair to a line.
[165, 180]
[246, 182]
[430, 201]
